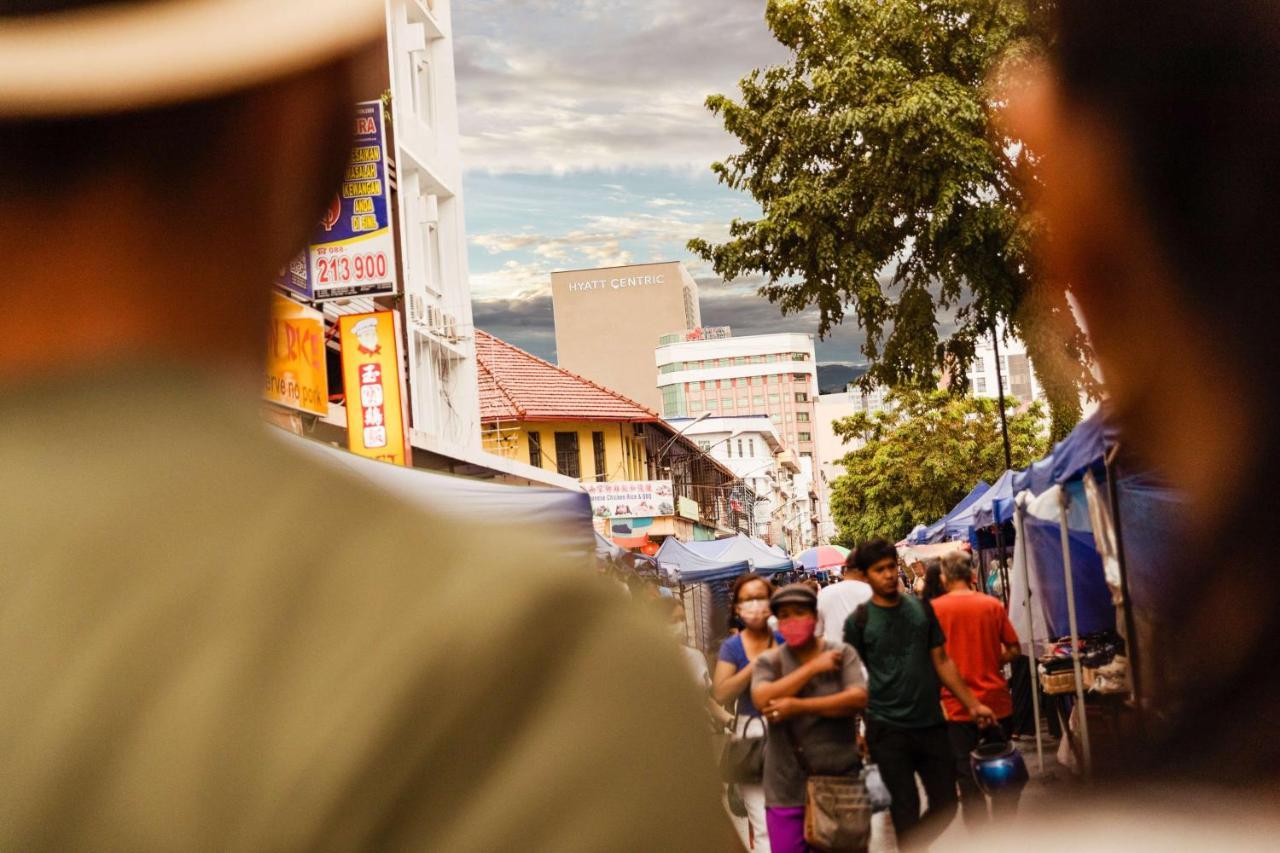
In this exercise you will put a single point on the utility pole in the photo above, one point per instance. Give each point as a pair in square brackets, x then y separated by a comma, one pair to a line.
[1008, 465]
[1004, 421]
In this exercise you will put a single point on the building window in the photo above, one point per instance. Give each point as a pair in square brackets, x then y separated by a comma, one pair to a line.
[424, 101]
[740, 454]
[774, 378]
[802, 397]
[774, 399]
[705, 446]
[597, 444]
[776, 418]
[802, 417]
[806, 455]
[751, 447]
[757, 401]
[980, 385]
[800, 377]
[726, 403]
[535, 449]
[568, 458]
[804, 437]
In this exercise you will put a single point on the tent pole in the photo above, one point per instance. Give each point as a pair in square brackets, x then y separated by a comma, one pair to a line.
[1130, 629]
[1031, 632]
[1064, 504]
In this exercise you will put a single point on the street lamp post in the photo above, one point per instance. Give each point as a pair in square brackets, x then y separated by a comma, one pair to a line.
[699, 419]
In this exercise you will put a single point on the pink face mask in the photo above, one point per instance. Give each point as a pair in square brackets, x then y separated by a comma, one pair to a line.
[799, 630]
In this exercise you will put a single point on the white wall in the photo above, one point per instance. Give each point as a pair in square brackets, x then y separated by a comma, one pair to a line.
[442, 364]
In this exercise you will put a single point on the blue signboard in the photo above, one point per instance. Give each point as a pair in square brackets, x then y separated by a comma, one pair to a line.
[352, 252]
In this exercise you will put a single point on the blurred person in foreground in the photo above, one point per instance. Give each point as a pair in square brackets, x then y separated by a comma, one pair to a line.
[981, 640]
[205, 642]
[1156, 126]
[904, 650]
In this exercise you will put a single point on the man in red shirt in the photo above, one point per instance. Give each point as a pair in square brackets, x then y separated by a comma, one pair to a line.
[981, 640]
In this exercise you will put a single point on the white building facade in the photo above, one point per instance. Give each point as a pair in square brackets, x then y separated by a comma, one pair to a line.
[428, 168]
[749, 446]
[831, 448]
[1020, 381]
[773, 376]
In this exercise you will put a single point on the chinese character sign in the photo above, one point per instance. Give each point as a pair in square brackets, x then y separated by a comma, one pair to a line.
[295, 374]
[353, 251]
[642, 499]
[376, 425]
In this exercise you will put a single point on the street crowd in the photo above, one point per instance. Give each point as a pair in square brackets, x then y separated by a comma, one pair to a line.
[873, 681]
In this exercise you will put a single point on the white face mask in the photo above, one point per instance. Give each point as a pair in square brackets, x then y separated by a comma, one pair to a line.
[753, 612]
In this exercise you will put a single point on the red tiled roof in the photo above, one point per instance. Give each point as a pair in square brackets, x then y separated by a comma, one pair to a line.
[518, 386]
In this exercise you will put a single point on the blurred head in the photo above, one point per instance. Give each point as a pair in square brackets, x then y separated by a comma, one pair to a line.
[877, 561]
[193, 203]
[933, 585]
[957, 569]
[1156, 125]
[750, 601]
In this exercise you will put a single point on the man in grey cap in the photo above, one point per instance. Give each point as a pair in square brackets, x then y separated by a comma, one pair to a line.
[204, 642]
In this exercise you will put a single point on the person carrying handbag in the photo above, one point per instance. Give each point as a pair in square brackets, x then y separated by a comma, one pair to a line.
[811, 692]
[742, 764]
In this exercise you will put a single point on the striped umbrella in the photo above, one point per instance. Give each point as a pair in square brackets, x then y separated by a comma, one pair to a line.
[822, 558]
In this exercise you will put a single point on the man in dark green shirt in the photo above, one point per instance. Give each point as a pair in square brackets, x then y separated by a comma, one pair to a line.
[904, 650]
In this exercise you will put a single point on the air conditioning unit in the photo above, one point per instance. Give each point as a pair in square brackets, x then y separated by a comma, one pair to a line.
[435, 318]
[415, 307]
[450, 328]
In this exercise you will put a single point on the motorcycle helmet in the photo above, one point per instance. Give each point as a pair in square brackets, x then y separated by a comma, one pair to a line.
[998, 768]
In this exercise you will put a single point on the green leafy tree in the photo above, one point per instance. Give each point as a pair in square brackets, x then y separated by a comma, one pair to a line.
[922, 457]
[887, 189]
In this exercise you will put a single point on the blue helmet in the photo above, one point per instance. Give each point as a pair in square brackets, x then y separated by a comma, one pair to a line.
[998, 768]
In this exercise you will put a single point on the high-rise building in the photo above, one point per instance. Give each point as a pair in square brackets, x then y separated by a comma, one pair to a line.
[609, 320]
[1020, 381]
[771, 375]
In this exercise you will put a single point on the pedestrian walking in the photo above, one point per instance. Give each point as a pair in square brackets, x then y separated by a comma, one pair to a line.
[749, 598]
[811, 692]
[980, 640]
[209, 641]
[930, 585]
[838, 601]
[903, 648]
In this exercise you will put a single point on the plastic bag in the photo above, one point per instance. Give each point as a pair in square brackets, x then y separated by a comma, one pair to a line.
[880, 797]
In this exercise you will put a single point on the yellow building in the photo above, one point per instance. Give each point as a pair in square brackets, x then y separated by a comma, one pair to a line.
[534, 412]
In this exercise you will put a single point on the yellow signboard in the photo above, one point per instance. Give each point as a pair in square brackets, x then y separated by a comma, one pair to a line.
[295, 374]
[376, 425]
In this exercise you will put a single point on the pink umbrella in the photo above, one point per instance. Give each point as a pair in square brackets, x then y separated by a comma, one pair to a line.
[823, 558]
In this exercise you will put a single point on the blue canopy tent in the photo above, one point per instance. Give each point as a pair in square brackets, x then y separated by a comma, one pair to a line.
[996, 506]
[939, 530]
[1084, 448]
[685, 565]
[737, 548]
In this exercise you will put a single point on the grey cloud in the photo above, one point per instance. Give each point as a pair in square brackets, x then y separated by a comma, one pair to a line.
[528, 323]
[567, 85]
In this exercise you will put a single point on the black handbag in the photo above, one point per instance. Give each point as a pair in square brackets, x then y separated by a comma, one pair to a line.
[742, 760]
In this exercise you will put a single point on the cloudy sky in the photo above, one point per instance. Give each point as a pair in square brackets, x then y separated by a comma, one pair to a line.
[586, 143]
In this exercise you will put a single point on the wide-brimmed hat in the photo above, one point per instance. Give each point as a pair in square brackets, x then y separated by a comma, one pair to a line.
[125, 55]
[796, 593]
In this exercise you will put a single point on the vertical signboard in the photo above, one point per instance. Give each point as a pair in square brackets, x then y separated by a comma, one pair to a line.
[352, 251]
[295, 375]
[376, 426]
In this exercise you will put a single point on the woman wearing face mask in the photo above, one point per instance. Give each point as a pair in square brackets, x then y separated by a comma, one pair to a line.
[732, 683]
[811, 692]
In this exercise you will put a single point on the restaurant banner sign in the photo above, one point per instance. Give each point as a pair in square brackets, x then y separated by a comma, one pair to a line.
[376, 425]
[633, 499]
[295, 374]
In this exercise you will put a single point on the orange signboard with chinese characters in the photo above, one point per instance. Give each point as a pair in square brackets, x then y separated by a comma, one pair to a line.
[295, 374]
[376, 426]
